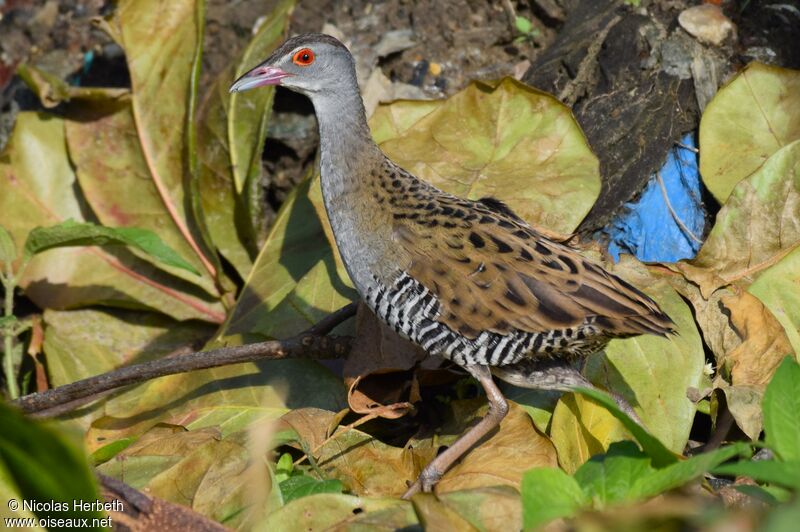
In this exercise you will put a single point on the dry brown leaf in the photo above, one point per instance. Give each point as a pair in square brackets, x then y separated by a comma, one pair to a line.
[377, 369]
[503, 457]
[369, 467]
[313, 425]
[764, 342]
[748, 343]
[361, 403]
[435, 515]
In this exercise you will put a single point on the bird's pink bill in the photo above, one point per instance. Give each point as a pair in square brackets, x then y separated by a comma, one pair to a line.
[260, 76]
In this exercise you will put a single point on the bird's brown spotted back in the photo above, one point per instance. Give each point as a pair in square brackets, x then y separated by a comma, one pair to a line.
[491, 271]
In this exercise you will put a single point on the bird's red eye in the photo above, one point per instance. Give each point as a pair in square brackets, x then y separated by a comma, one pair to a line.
[303, 57]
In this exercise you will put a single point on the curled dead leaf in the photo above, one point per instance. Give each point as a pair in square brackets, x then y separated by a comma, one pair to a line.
[764, 342]
[360, 403]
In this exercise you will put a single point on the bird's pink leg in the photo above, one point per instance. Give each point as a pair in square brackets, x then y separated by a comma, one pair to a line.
[498, 408]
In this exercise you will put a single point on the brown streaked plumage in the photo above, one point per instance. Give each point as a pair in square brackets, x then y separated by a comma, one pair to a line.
[466, 280]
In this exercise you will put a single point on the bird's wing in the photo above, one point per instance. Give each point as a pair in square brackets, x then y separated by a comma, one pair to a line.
[493, 272]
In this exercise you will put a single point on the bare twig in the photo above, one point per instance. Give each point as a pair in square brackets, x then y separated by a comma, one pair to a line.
[725, 422]
[309, 344]
[688, 232]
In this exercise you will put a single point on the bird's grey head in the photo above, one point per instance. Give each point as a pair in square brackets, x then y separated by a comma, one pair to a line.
[311, 64]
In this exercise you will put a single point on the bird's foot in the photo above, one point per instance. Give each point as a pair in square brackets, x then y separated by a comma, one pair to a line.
[425, 483]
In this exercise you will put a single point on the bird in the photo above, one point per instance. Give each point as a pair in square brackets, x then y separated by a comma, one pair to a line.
[469, 281]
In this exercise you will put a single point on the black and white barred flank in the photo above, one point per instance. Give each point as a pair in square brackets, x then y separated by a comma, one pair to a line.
[412, 311]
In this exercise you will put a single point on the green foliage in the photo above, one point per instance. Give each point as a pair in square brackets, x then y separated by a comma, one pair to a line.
[549, 493]
[302, 486]
[294, 483]
[41, 464]
[525, 27]
[782, 432]
[8, 251]
[756, 114]
[782, 412]
[72, 233]
[625, 474]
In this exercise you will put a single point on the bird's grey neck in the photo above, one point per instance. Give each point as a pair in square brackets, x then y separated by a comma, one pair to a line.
[347, 156]
[346, 144]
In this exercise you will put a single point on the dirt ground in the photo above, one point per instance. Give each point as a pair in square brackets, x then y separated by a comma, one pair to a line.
[425, 49]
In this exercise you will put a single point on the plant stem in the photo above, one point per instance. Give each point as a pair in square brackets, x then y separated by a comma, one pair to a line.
[8, 336]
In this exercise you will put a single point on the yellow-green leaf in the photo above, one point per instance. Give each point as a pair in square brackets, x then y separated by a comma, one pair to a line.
[749, 119]
[231, 132]
[653, 374]
[505, 140]
[294, 282]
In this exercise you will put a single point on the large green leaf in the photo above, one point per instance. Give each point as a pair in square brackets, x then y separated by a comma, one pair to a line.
[505, 140]
[625, 474]
[782, 411]
[611, 478]
[110, 165]
[294, 282]
[758, 225]
[38, 187]
[652, 373]
[547, 494]
[44, 466]
[749, 119]
[232, 128]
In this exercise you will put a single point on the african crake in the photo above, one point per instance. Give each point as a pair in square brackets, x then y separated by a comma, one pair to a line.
[466, 280]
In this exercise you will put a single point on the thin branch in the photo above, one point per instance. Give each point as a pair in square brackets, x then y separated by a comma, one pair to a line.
[688, 232]
[309, 344]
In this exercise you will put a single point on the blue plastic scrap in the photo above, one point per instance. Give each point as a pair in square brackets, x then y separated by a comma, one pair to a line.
[666, 223]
